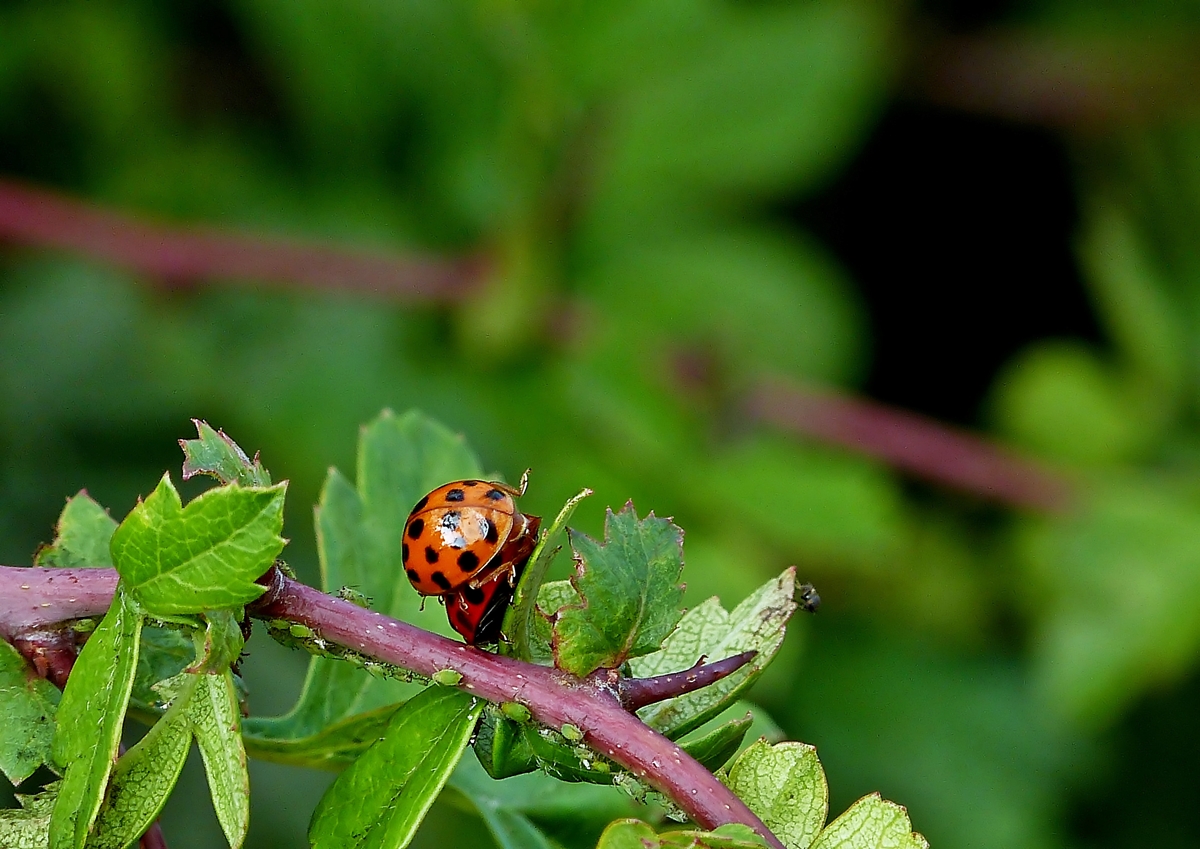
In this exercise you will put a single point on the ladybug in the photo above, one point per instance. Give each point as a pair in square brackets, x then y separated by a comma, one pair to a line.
[476, 613]
[463, 534]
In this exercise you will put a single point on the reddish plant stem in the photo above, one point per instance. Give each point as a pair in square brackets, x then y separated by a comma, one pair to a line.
[1068, 83]
[51, 652]
[918, 445]
[639, 692]
[35, 598]
[37, 217]
[153, 838]
[553, 698]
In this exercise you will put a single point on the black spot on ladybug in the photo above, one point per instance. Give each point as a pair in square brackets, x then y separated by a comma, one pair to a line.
[450, 521]
[404, 552]
[440, 579]
[421, 504]
[415, 528]
[489, 531]
[455, 494]
[413, 576]
[468, 561]
[495, 495]
[431, 556]
[473, 595]
[470, 483]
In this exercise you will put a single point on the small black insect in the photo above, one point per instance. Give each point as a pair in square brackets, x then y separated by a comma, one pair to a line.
[808, 599]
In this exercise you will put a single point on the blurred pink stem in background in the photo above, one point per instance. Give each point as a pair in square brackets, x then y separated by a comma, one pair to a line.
[1085, 82]
[912, 443]
[180, 255]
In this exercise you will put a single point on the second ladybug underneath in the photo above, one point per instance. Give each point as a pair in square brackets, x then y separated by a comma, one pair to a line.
[465, 534]
[476, 613]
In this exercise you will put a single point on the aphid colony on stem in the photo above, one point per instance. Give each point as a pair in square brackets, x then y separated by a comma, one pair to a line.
[467, 543]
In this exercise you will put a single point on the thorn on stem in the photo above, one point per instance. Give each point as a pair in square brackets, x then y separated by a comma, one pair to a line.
[638, 692]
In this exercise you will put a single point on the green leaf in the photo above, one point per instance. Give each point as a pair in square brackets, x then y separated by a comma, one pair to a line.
[400, 459]
[506, 748]
[758, 623]
[81, 537]
[629, 590]
[520, 621]
[871, 823]
[222, 643]
[164, 653]
[515, 809]
[501, 747]
[144, 776]
[1115, 589]
[716, 747]
[552, 597]
[785, 785]
[215, 454]
[28, 827]
[840, 508]
[216, 721]
[381, 799]
[90, 718]
[634, 834]
[333, 747]
[514, 830]
[763, 100]
[559, 759]
[176, 559]
[28, 704]
[1060, 399]
[1131, 296]
[736, 296]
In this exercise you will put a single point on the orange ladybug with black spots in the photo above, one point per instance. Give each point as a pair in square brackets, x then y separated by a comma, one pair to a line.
[456, 536]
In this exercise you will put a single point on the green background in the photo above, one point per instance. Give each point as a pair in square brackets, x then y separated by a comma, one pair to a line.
[986, 212]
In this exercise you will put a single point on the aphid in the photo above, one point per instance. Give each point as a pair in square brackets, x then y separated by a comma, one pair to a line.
[808, 599]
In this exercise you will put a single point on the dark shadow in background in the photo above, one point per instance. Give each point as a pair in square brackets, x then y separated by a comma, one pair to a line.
[1143, 795]
[957, 230]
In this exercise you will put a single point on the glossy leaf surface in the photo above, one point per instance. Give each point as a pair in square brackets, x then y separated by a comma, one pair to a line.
[379, 801]
[177, 559]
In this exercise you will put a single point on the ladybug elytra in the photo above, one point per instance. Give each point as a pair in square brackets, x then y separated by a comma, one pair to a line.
[465, 534]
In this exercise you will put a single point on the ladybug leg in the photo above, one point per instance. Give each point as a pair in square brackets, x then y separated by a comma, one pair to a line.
[423, 599]
[484, 580]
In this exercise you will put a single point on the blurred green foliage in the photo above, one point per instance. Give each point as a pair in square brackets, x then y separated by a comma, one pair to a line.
[623, 162]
